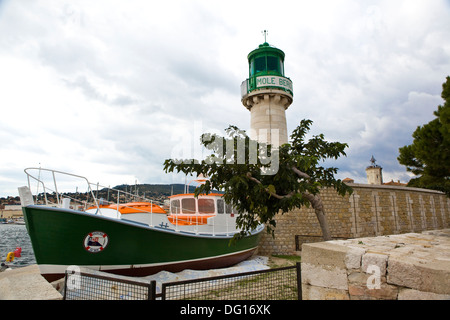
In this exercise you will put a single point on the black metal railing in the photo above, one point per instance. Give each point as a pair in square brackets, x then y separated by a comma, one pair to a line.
[86, 286]
[271, 284]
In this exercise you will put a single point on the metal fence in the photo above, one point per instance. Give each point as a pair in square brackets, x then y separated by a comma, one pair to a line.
[272, 284]
[86, 286]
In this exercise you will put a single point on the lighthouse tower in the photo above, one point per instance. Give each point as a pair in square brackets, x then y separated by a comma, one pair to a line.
[267, 93]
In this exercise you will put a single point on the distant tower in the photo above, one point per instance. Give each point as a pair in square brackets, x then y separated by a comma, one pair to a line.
[374, 175]
[267, 93]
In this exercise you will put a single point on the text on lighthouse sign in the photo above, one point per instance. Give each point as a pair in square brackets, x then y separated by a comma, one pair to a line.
[269, 81]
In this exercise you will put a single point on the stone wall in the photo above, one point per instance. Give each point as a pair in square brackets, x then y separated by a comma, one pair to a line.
[372, 210]
[409, 266]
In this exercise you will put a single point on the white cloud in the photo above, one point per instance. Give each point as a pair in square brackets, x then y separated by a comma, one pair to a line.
[108, 89]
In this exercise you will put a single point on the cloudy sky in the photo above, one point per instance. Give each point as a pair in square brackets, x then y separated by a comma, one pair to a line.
[110, 89]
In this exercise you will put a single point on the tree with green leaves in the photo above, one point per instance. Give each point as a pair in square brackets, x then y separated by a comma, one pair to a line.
[261, 181]
[428, 157]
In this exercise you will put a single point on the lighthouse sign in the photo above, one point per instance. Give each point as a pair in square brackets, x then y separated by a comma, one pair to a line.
[267, 81]
[274, 81]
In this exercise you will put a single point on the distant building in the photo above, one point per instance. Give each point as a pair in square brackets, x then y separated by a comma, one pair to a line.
[348, 180]
[393, 183]
[375, 176]
[10, 211]
[374, 173]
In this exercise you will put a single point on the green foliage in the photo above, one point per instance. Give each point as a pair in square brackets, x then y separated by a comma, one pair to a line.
[428, 157]
[272, 181]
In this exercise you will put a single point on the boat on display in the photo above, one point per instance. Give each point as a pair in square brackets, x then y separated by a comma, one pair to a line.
[135, 238]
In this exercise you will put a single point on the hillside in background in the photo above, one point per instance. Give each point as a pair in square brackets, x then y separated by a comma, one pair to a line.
[152, 190]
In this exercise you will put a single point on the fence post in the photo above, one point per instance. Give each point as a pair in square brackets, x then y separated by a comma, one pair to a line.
[163, 291]
[65, 285]
[152, 290]
[299, 280]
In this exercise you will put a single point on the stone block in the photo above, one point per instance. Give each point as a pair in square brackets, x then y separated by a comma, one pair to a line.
[411, 294]
[374, 259]
[320, 293]
[324, 276]
[325, 253]
[423, 275]
[353, 257]
[26, 284]
[359, 289]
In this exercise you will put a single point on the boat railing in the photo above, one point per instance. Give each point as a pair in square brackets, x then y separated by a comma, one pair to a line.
[40, 181]
[92, 190]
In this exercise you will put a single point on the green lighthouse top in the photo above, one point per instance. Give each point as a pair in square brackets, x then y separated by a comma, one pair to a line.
[266, 60]
[266, 72]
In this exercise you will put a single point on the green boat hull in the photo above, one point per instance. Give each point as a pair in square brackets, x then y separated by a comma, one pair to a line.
[64, 237]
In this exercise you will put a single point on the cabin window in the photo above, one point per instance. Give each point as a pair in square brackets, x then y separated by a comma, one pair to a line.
[230, 209]
[175, 206]
[220, 206]
[206, 206]
[188, 205]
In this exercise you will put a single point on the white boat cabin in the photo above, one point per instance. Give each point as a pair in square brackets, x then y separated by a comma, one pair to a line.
[210, 204]
[186, 209]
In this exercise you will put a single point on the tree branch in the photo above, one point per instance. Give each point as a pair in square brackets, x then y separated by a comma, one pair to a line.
[249, 175]
[300, 173]
[275, 195]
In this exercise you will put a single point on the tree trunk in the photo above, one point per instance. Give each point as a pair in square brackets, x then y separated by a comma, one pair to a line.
[316, 203]
[323, 224]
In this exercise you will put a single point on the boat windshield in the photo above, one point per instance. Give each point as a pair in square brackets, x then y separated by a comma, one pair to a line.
[201, 206]
[220, 206]
[223, 207]
[175, 206]
[229, 209]
[188, 205]
[206, 206]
